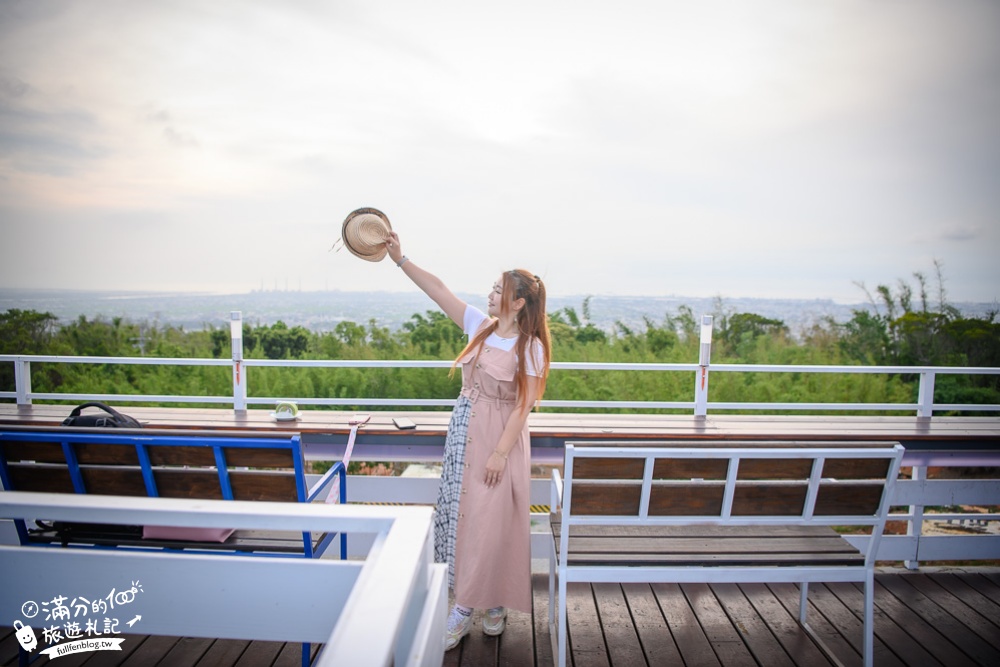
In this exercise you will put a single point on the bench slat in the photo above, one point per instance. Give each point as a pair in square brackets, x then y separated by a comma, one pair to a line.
[695, 530]
[122, 536]
[42, 478]
[42, 452]
[707, 545]
[715, 559]
[696, 498]
[698, 545]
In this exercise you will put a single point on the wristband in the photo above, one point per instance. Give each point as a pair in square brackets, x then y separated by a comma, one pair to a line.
[402, 260]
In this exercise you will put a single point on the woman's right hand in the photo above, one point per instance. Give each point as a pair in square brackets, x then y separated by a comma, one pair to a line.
[394, 249]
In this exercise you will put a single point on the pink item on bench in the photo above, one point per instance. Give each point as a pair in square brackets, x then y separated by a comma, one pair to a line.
[183, 534]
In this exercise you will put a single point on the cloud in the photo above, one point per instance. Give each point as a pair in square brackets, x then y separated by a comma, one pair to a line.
[670, 147]
[960, 233]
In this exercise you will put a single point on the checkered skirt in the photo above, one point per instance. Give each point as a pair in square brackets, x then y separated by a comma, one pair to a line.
[446, 514]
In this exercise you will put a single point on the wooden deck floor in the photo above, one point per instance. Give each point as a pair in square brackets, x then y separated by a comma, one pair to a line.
[936, 617]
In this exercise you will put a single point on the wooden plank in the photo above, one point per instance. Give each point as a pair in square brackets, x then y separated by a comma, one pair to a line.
[540, 618]
[259, 653]
[586, 641]
[605, 499]
[783, 625]
[106, 453]
[746, 621]
[763, 499]
[453, 658]
[961, 588]
[761, 546]
[929, 636]
[616, 622]
[692, 643]
[709, 469]
[187, 651]
[943, 622]
[773, 469]
[131, 644]
[41, 452]
[698, 530]
[856, 468]
[843, 602]
[291, 655]
[223, 653]
[708, 560]
[831, 621]
[610, 468]
[887, 626]
[849, 499]
[517, 642]
[8, 645]
[477, 647]
[150, 650]
[657, 643]
[278, 486]
[688, 500]
[726, 642]
[564, 425]
[989, 584]
[44, 478]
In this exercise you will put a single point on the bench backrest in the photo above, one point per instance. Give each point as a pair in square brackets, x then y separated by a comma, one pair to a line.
[203, 465]
[680, 482]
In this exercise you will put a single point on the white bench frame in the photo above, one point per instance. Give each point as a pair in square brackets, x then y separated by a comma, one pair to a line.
[388, 609]
[562, 496]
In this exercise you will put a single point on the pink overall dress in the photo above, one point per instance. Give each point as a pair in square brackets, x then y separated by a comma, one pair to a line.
[484, 533]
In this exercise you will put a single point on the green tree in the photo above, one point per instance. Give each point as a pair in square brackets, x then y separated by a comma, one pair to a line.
[26, 331]
[434, 334]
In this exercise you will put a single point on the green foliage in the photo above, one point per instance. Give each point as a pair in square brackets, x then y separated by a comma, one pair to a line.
[900, 329]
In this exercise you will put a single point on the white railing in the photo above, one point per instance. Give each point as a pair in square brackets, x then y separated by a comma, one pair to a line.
[389, 608]
[700, 405]
[924, 407]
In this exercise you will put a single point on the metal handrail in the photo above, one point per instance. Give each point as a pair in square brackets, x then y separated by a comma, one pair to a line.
[700, 404]
[924, 407]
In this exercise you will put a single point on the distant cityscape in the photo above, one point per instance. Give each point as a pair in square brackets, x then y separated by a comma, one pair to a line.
[322, 311]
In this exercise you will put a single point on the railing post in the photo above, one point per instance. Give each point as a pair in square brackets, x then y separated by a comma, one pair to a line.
[239, 372]
[704, 359]
[915, 526]
[925, 397]
[22, 381]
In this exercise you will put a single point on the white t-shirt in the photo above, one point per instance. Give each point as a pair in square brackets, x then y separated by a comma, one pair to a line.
[475, 317]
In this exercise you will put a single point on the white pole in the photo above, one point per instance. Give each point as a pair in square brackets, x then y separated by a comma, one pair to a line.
[22, 381]
[704, 359]
[925, 396]
[239, 372]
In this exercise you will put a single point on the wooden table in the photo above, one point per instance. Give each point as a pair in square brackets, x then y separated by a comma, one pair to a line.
[324, 432]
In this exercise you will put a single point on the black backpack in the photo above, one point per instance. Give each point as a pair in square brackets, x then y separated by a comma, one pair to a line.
[112, 418]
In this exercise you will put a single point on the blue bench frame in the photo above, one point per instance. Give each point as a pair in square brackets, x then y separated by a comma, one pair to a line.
[142, 441]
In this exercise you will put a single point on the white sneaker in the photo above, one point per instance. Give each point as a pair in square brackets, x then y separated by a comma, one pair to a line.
[494, 621]
[458, 626]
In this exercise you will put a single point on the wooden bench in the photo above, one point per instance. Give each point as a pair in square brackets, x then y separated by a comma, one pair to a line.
[164, 463]
[718, 512]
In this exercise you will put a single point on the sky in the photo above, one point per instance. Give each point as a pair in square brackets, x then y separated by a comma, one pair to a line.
[771, 149]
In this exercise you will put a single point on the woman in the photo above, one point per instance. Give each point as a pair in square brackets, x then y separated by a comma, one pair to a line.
[482, 523]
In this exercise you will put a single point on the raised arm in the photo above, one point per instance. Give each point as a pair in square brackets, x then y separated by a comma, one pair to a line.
[432, 286]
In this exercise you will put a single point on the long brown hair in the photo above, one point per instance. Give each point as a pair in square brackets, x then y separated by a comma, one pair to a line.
[532, 322]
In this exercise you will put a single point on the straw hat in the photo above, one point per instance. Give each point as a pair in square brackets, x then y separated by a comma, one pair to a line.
[365, 232]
